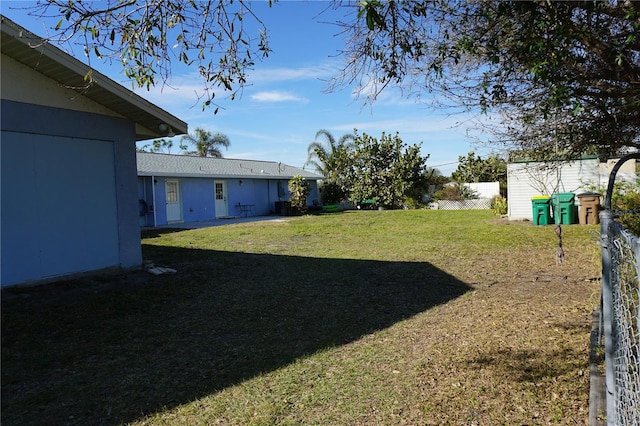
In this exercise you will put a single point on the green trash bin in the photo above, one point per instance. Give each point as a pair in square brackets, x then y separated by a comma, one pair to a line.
[563, 206]
[541, 213]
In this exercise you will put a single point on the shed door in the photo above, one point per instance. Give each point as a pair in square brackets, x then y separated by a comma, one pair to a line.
[174, 206]
[221, 206]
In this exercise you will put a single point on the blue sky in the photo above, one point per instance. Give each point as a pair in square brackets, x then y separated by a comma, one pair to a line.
[285, 103]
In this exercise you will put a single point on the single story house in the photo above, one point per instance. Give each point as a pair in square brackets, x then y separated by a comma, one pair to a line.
[185, 188]
[68, 165]
[527, 179]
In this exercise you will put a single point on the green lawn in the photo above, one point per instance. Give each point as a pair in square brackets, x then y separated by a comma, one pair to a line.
[367, 317]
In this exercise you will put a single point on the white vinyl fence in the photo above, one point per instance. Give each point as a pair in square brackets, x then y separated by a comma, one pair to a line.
[479, 204]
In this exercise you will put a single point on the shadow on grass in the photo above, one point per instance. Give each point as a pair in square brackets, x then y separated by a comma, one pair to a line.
[114, 350]
[532, 366]
[159, 232]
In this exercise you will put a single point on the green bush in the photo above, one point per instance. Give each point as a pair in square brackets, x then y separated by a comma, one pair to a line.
[410, 203]
[626, 196]
[299, 188]
[455, 192]
[499, 205]
[331, 193]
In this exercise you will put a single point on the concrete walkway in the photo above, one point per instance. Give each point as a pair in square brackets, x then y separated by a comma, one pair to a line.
[218, 222]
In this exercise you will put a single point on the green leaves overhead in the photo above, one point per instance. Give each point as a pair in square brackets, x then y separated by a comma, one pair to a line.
[224, 39]
[565, 73]
[551, 73]
[369, 9]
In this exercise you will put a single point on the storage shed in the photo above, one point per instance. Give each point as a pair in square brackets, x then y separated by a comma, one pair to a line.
[529, 179]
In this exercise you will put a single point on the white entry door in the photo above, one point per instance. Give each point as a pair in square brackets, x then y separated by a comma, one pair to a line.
[174, 206]
[222, 208]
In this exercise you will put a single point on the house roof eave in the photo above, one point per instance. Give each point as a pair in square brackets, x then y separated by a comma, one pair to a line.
[218, 176]
[35, 52]
[156, 164]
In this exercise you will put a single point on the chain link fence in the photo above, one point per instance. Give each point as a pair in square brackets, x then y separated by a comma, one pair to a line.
[620, 314]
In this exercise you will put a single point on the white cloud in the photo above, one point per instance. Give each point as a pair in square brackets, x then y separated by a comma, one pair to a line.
[277, 96]
[255, 136]
[185, 90]
[249, 155]
[374, 93]
[423, 124]
[321, 71]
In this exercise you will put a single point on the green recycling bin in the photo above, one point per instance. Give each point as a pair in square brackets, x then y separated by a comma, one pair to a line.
[563, 206]
[541, 213]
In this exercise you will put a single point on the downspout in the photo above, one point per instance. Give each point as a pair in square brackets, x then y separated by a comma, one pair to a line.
[153, 200]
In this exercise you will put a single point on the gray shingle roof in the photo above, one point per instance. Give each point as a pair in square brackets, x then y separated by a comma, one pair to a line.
[193, 166]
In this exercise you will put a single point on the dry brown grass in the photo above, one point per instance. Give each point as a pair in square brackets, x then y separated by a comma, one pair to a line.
[411, 318]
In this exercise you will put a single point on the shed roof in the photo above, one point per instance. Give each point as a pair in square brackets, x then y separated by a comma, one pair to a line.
[192, 166]
[35, 52]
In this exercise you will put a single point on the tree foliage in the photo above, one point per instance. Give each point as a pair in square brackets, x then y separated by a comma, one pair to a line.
[556, 76]
[324, 156]
[158, 145]
[472, 168]
[387, 170]
[559, 76]
[626, 198]
[221, 39]
[206, 143]
[455, 192]
[299, 188]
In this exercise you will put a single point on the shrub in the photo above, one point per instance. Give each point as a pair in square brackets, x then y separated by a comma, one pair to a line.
[410, 203]
[331, 193]
[499, 205]
[626, 196]
[455, 192]
[299, 189]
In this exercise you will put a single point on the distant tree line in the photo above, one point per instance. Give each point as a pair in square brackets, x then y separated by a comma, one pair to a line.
[205, 143]
[360, 167]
